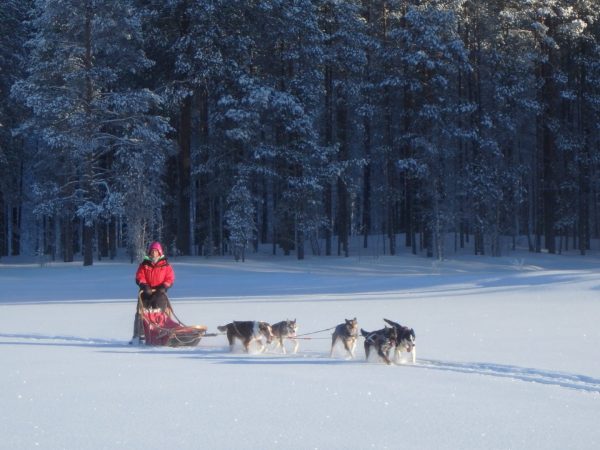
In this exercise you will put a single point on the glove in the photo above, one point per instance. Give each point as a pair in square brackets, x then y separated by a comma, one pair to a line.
[162, 289]
[147, 289]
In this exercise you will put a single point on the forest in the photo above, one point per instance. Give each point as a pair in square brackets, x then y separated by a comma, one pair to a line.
[218, 126]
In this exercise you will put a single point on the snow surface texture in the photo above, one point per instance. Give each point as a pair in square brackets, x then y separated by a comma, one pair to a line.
[507, 356]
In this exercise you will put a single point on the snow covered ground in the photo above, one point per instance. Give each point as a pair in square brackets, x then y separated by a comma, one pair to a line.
[508, 356]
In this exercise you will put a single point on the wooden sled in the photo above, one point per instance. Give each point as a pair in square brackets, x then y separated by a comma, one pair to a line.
[163, 328]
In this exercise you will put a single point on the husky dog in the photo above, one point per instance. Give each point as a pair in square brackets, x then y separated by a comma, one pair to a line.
[382, 340]
[286, 329]
[346, 332]
[248, 331]
[406, 340]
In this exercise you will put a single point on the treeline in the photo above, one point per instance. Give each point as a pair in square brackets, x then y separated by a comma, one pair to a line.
[218, 125]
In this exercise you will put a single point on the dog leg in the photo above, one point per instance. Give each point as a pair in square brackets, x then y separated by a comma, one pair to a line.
[387, 353]
[263, 347]
[231, 340]
[353, 347]
[397, 355]
[348, 348]
[296, 345]
[384, 356]
[333, 341]
[277, 344]
[414, 354]
[282, 345]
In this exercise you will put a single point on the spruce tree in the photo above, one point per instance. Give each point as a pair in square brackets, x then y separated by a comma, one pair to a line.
[90, 114]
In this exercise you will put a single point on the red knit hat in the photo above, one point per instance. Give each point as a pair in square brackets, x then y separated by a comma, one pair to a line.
[155, 246]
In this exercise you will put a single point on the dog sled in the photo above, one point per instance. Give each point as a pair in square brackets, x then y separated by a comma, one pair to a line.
[163, 328]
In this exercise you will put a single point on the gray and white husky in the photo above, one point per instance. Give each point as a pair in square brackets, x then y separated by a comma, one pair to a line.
[286, 329]
[346, 332]
[406, 341]
[247, 331]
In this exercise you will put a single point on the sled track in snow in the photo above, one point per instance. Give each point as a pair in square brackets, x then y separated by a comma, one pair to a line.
[60, 340]
[577, 382]
[547, 377]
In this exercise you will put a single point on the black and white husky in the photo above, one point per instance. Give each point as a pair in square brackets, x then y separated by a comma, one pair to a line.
[248, 331]
[381, 340]
[286, 329]
[406, 342]
[346, 332]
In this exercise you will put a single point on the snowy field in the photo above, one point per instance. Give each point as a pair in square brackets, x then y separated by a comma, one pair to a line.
[508, 356]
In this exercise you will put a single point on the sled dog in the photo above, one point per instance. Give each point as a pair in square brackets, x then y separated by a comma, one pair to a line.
[247, 332]
[381, 340]
[285, 329]
[346, 332]
[406, 340]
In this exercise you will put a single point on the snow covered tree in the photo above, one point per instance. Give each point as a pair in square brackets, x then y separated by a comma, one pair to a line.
[211, 51]
[184, 37]
[344, 57]
[500, 86]
[240, 217]
[254, 66]
[12, 55]
[291, 60]
[587, 160]
[544, 43]
[89, 113]
[578, 36]
[427, 54]
[387, 116]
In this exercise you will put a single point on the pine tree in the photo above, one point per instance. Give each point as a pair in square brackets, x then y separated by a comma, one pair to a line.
[212, 52]
[89, 113]
[256, 67]
[344, 56]
[429, 55]
[490, 165]
[12, 55]
[239, 218]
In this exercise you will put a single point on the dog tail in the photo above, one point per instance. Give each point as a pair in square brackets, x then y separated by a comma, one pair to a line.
[394, 324]
[222, 328]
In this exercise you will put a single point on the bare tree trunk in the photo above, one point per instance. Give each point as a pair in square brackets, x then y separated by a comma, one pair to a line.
[300, 244]
[88, 244]
[328, 131]
[184, 179]
[67, 235]
[88, 174]
[343, 211]
[367, 142]
[328, 205]
[366, 194]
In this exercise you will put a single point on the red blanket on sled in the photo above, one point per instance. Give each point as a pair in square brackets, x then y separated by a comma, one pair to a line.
[158, 327]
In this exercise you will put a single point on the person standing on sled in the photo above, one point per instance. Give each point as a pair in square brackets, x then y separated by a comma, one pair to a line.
[154, 277]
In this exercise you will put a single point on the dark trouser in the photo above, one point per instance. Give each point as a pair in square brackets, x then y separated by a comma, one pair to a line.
[158, 300]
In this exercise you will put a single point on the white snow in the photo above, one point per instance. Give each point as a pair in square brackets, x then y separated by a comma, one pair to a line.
[508, 356]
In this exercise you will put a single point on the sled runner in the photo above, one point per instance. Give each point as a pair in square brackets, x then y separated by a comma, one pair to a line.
[164, 327]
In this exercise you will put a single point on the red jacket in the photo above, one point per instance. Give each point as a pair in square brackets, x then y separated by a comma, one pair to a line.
[155, 274]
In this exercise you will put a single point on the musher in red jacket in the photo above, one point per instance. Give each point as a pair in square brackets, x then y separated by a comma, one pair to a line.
[154, 276]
